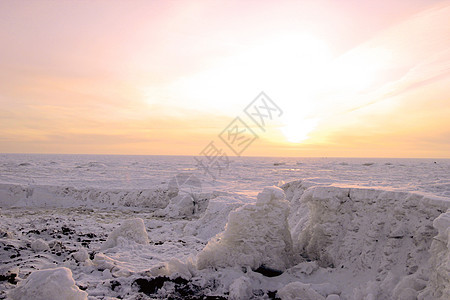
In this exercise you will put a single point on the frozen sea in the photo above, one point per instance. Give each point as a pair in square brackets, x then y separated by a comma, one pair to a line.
[113, 227]
[244, 175]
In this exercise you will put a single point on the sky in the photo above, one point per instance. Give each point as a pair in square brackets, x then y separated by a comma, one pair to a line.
[350, 78]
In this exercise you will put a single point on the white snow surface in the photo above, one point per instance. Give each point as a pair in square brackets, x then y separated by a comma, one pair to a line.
[298, 290]
[375, 238]
[131, 230]
[50, 284]
[129, 180]
[256, 235]
[350, 229]
[241, 288]
[12, 195]
[214, 219]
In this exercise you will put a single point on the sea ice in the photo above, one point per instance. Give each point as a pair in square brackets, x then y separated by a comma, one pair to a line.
[256, 235]
[130, 230]
[50, 284]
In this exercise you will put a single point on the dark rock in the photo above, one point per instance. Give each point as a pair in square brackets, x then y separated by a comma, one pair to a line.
[114, 284]
[268, 272]
[9, 276]
[272, 295]
[150, 286]
[33, 232]
[183, 290]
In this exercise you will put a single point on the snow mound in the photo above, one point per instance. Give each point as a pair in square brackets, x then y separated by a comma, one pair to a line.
[298, 290]
[186, 205]
[39, 245]
[299, 214]
[81, 255]
[51, 284]
[350, 226]
[115, 267]
[438, 286]
[270, 194]
[12, 195]
[256, 235]
[214, 219]
[373, 235]
[131, 230]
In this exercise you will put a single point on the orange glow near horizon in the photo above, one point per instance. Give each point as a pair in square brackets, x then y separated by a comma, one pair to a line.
[353, 78]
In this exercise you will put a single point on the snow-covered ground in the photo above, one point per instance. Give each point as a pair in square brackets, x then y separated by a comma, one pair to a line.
[116, 227]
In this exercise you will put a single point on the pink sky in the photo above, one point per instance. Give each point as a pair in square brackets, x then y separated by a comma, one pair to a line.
[355, 78]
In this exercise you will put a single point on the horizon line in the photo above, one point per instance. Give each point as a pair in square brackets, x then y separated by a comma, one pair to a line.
[234, 156]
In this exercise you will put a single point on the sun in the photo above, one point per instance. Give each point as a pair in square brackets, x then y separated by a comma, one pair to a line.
[297, 131]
